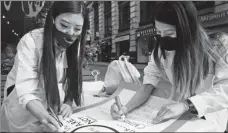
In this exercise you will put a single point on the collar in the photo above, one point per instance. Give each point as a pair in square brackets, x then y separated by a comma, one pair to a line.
[58, 50]
[60, 55]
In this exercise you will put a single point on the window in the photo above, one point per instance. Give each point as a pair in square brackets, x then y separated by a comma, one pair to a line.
[107, 6]
[124, 15]
[146, 12]
[96, 18]
[203, 4]
[108, 18]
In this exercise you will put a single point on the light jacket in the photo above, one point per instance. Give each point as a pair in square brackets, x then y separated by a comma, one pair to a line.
[211, 99]
[27, 76]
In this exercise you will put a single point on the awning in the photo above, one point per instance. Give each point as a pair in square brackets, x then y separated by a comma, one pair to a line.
[145, 31]
[215, 19]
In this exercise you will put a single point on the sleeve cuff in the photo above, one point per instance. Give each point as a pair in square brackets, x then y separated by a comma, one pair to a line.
[26, 98]
[151, 80]
[199, 104]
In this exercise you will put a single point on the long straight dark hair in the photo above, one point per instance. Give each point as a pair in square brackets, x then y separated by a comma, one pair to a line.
[192, 58]
[75, 56]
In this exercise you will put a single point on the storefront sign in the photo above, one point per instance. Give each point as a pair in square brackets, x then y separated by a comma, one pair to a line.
[150, 31]
[213, 16]
[122, 38]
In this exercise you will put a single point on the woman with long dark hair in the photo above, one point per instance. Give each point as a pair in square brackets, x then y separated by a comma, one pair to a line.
[46, 77]
[187, 65]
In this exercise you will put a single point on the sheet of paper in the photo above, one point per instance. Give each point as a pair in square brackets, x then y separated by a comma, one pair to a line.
[100, 120]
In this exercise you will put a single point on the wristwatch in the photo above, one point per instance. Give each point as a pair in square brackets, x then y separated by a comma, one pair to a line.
[192, 108]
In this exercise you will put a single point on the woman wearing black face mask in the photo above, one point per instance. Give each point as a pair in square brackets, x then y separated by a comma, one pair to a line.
[46, 76]
[187, 66]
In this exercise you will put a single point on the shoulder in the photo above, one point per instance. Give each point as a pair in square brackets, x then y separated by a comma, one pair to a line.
[34, 38]
[37, 32]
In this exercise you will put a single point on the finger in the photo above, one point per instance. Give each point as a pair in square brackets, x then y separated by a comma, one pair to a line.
[52, 128]
[121, 112]
[168, 115]
[52, 121]
[68, 113]
[114, 112]
[165, 117]
[114, 108]
[159, 118]
[115, 115]
[64, 113]
[48, 127]
[60, 117]
[162, 111]
[62, 108]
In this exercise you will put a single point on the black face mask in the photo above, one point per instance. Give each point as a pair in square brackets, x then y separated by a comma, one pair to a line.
[168, 43]
[64, 40]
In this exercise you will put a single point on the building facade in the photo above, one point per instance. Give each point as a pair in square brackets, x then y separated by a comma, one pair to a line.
[125, 27]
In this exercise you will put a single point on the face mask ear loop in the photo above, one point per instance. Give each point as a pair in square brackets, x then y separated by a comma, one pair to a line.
[162, 49]
[163, 53]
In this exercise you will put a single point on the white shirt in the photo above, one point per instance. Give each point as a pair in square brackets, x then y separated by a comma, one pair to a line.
[27, 76]
[211, 99]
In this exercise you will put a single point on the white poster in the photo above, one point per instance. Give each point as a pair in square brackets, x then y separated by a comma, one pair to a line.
[98, 119]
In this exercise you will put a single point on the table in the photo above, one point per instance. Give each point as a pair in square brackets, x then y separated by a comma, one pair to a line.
[186, 123]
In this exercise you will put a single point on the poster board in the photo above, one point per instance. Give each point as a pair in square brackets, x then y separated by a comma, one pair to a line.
[98, 119]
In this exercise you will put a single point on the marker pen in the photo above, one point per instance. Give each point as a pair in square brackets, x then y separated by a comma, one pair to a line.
[117, 99]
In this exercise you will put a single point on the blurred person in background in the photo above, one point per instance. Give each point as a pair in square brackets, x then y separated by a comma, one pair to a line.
[7, 58]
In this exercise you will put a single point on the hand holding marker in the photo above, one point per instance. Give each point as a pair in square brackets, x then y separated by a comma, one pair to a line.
[118, 103]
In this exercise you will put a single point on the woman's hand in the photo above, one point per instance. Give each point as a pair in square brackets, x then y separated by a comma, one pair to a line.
[65, 110]
[49, 124]
[116, 113]
[170, 111]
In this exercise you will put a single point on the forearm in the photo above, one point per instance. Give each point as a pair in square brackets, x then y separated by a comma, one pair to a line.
[139, 98]
[37, 109]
